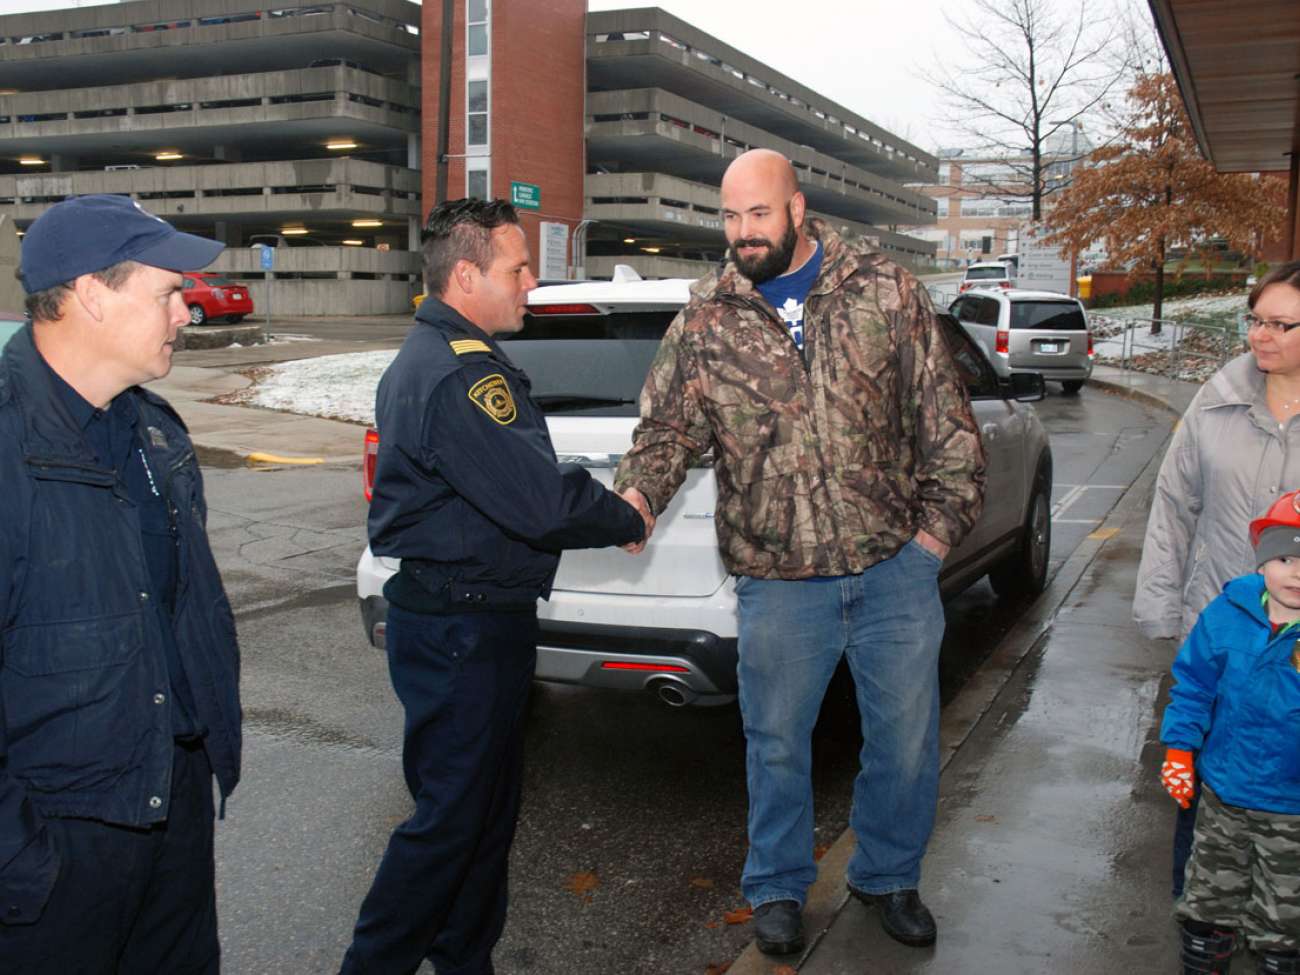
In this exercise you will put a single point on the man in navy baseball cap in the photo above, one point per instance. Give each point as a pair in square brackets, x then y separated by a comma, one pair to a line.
[119, 698]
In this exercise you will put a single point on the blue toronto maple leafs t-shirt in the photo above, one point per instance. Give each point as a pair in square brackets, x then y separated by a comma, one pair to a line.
[787, 292]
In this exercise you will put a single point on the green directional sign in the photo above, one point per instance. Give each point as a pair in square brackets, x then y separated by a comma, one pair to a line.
[526, 195]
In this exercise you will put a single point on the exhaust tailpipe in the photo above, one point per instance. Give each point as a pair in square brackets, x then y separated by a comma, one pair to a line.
[673, 692]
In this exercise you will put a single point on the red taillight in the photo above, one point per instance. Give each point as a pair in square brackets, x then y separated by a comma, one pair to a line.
[627, 665]
[963, 287]
[368, 459]
[1002, 344]
[1004, 285]
[563, 310]
[1090, 352]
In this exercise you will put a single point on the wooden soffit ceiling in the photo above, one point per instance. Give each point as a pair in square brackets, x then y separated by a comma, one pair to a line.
[1238, 66]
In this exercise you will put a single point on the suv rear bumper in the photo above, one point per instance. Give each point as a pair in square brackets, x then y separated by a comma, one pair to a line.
[679, 666]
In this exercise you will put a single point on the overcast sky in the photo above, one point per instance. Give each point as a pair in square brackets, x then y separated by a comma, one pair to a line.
[864, 54]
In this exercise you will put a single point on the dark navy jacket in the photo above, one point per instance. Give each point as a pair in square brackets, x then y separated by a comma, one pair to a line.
[85, 721]
[467, 490]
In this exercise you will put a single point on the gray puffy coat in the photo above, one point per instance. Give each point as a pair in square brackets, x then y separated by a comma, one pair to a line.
[1228, 461]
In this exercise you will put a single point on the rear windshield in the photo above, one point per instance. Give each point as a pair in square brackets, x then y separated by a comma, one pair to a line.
[1065, 316]
[985, 273]
[213, 281]
[588, 365]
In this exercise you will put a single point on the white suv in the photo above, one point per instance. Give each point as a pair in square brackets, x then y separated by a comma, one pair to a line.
[665, 620]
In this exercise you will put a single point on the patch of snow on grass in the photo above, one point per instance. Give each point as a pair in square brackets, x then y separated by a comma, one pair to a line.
[338, 387]
[1122, 336]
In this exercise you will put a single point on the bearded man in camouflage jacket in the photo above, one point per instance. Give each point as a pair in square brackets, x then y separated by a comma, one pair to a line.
[848, 464]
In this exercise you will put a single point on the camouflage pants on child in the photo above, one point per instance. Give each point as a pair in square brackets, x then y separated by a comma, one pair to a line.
[1245, 874]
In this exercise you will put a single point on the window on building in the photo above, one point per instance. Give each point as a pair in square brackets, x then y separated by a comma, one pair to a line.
[996, 206]
[945, 173]
[476, 27]
[476, 178]
[943, 206]
[476, 113]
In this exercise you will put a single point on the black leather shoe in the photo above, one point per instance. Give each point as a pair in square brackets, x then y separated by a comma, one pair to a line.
[902, 915]
[778, 929]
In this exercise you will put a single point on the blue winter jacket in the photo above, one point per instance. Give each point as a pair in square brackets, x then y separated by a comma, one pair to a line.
[85, 721]
[1236, 702]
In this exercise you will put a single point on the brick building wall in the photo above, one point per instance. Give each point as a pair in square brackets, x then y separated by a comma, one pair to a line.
[536, 107]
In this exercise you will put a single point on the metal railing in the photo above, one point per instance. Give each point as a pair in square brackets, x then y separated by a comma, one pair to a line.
[1189, 343]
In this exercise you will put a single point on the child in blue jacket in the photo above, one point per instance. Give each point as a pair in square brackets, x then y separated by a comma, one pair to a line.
[1235, 711]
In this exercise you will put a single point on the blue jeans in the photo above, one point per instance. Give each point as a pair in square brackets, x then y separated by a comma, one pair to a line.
[889, 623]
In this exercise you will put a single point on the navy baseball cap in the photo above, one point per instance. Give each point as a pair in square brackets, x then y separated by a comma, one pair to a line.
[89, 233]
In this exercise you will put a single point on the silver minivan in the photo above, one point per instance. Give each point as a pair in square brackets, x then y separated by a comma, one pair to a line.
[1030, 331]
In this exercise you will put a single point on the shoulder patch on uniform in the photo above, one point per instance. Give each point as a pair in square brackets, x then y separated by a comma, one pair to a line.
[465, 346]
[491, 394]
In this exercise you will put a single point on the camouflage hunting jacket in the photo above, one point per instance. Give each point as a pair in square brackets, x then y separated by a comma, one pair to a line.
[826, 462]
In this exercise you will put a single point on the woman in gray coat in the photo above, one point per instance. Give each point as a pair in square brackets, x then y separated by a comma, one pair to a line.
[1235, 451]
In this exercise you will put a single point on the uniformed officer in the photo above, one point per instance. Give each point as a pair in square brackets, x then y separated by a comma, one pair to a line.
[468, 494]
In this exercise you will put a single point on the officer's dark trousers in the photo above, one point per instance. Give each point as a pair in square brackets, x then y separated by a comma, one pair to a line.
[440, 891]
[129, 901]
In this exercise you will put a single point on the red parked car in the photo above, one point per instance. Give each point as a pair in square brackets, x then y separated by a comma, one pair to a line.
[211, 296]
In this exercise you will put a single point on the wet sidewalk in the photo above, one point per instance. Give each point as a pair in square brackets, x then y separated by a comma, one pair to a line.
[1051, 852]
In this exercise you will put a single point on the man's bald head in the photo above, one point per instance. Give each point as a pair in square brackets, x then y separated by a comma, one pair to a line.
[762, 167]
[762, 213]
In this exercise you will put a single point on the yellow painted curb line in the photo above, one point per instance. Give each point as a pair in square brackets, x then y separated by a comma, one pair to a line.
[277, 459]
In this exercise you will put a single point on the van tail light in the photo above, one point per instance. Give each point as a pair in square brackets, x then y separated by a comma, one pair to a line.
[1002, 344]
[1004, 285]
[368, 460]
[1091, 353]
[963, 286]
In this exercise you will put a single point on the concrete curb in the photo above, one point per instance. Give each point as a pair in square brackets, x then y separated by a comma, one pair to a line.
[828, 895]
[219, 337]
[1115, 388]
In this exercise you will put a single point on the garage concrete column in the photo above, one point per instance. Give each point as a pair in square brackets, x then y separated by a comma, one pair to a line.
[62, 162]
[413, 225]
[221, 231]
[413, 150]
[228, 153]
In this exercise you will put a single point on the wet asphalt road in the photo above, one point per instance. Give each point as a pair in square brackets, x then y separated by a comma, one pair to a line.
[633, 829]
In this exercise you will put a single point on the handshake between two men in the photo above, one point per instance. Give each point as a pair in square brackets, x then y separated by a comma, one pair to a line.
[638, 500]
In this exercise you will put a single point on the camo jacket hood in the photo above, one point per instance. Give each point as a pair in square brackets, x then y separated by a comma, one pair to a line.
[826, 462]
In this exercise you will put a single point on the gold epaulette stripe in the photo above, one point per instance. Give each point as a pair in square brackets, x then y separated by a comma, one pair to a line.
[464, 346]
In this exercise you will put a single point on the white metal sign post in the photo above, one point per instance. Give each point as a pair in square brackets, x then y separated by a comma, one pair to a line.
[1042, 268]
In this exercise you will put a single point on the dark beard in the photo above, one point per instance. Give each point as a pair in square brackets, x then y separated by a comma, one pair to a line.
[772, 264]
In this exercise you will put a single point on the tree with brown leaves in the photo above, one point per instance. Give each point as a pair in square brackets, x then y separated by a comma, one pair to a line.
[1151, 190]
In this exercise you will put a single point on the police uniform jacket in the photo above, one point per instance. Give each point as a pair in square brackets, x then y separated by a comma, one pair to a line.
[85, 720]
[467, 489]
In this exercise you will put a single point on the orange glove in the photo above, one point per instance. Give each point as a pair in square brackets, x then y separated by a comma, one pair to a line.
[1178, 776]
